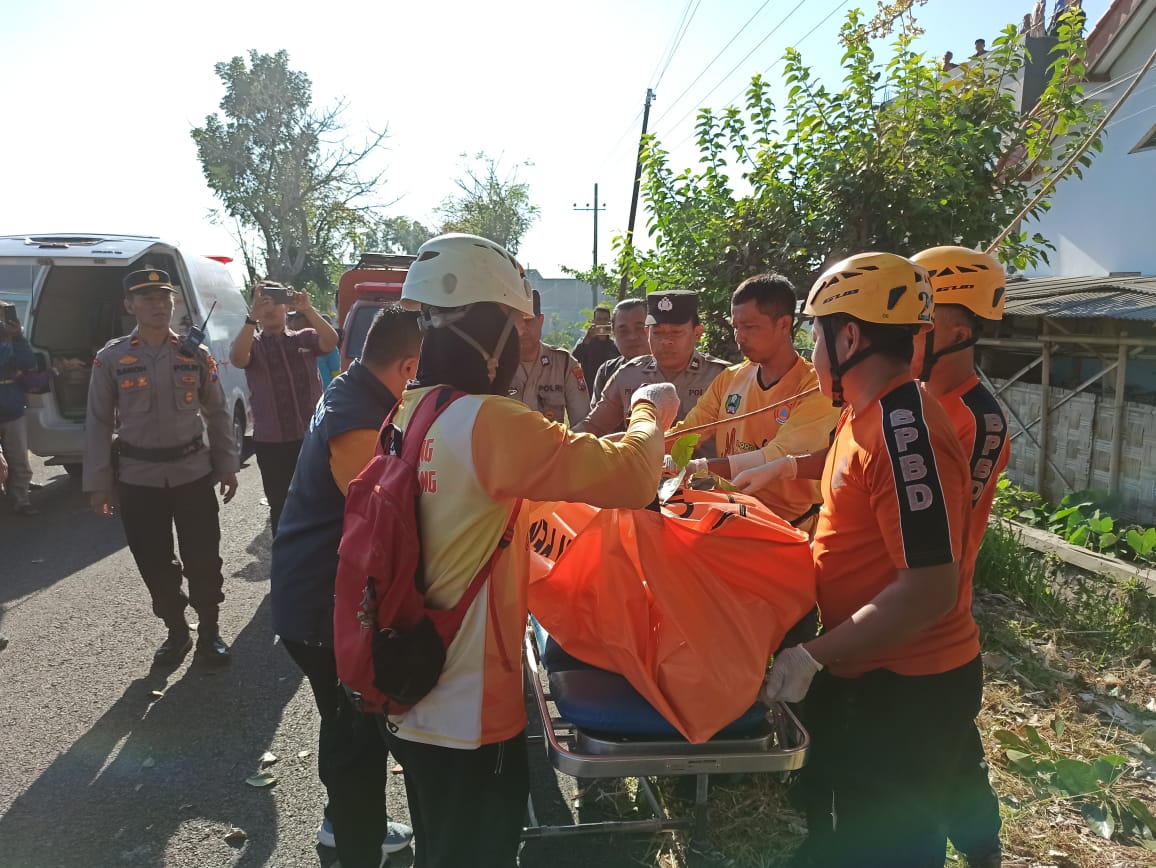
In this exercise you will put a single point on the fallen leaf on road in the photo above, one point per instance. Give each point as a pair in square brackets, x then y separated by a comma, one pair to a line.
[262, 779]
[268, 758]
[236, 837]
[148, 763]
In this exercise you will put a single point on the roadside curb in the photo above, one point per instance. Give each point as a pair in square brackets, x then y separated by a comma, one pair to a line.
[1086, 559]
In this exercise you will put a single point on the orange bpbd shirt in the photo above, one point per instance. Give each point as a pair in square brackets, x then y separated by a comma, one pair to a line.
[982, 429]
[895, 496]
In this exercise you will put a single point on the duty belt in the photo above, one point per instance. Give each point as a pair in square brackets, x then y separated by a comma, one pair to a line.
[158, 453]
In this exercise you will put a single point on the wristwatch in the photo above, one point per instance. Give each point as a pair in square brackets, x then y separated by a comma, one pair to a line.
[250, 321]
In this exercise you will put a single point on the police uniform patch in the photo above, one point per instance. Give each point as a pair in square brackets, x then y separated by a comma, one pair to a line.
[733, 401]
[580, 376]
[545, 361]
[188, 397]
[141, 382]
[127, 383]
[695, 364]
[127, 360]
[97, 363]
[188, 380]
[665, 304]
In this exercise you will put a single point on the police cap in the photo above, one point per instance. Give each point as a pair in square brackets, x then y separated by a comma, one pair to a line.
[147, 280]
[675, 306]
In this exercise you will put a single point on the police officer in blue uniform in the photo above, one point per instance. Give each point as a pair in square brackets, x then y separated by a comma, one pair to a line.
[161, 395]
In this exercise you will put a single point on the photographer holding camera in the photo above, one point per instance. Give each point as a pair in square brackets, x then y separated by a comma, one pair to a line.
[596, 345]
[280, 364]
[15, 356]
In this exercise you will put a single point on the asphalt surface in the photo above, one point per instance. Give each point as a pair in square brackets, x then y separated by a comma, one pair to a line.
[105, 762]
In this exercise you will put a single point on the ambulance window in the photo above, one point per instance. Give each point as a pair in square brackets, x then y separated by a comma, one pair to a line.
[16, 287]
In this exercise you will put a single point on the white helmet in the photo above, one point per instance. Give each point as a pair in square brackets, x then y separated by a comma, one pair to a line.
[456, 270]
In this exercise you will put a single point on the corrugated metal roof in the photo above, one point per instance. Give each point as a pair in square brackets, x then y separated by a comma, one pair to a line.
[1131, 298]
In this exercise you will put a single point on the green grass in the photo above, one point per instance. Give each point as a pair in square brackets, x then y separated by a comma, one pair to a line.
[1092, 613]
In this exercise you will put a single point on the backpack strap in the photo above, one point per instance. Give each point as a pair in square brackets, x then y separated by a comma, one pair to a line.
[484, 573]
[429, 408]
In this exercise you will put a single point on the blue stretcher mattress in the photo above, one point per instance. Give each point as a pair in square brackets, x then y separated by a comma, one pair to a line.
[605, 702]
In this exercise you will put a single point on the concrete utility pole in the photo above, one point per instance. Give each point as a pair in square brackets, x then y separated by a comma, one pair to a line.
[637, 185]
[596, 208]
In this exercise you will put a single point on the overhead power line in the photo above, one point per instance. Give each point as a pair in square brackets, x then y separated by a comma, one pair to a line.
[673, 39]
[705, 69]
[839, 7]
[678, 41]
[746, 57]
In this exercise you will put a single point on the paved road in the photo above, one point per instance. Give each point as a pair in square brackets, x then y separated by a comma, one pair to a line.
[98, 770]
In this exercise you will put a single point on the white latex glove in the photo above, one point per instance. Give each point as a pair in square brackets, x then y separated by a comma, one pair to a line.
[696, 466]
[790, 677]
[758, 478]
[664, 397]
[693, 467]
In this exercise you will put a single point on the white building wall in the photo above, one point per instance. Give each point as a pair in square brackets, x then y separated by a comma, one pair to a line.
[1105, 222]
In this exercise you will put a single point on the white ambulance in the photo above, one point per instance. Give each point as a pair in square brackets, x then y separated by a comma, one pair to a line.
[69, 295]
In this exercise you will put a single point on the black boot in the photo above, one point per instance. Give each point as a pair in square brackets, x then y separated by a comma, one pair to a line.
[211, 648]
[175, 647]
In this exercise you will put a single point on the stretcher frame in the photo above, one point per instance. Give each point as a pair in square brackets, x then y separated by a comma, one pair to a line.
[779, 745]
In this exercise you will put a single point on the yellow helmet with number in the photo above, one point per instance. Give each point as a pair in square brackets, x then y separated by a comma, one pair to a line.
[881, 288]
[966, 277]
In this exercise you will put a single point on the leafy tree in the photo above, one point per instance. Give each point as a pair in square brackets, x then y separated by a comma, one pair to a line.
[395, 235]
[899, 160]
[288, 183]
[491, 205]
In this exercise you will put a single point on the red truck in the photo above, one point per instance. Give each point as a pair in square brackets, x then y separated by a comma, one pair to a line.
[372, 283]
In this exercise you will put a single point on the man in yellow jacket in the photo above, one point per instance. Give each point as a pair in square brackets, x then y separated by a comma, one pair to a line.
[763, 318]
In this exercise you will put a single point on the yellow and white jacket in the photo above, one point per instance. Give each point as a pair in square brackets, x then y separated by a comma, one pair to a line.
[481, 455]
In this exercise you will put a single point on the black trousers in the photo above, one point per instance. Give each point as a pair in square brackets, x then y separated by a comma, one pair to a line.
[352, 761]
[277, 461]
[889, 750]
[148, 515]
[466, 806]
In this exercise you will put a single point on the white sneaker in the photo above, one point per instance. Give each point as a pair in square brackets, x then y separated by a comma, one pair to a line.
[398, 836]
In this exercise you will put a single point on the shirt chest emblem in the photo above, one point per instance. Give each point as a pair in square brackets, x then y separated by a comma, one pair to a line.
[733, 401]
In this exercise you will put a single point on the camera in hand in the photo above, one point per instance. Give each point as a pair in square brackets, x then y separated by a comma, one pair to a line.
[280, 294]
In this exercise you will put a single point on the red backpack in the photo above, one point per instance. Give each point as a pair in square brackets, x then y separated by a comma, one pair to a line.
[390, 646]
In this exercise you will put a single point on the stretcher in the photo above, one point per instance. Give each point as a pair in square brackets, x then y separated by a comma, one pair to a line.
[604, 729]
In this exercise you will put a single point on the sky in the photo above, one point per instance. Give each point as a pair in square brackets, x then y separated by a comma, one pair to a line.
[101, 98]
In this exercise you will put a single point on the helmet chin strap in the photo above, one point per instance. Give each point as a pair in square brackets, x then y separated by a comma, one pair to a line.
[930, 357]
[838, 369]
[493, 360]
[431, 319]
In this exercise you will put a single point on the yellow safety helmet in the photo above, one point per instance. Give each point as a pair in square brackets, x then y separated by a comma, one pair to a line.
[880, 288]
[874, 287]
[966, 277]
